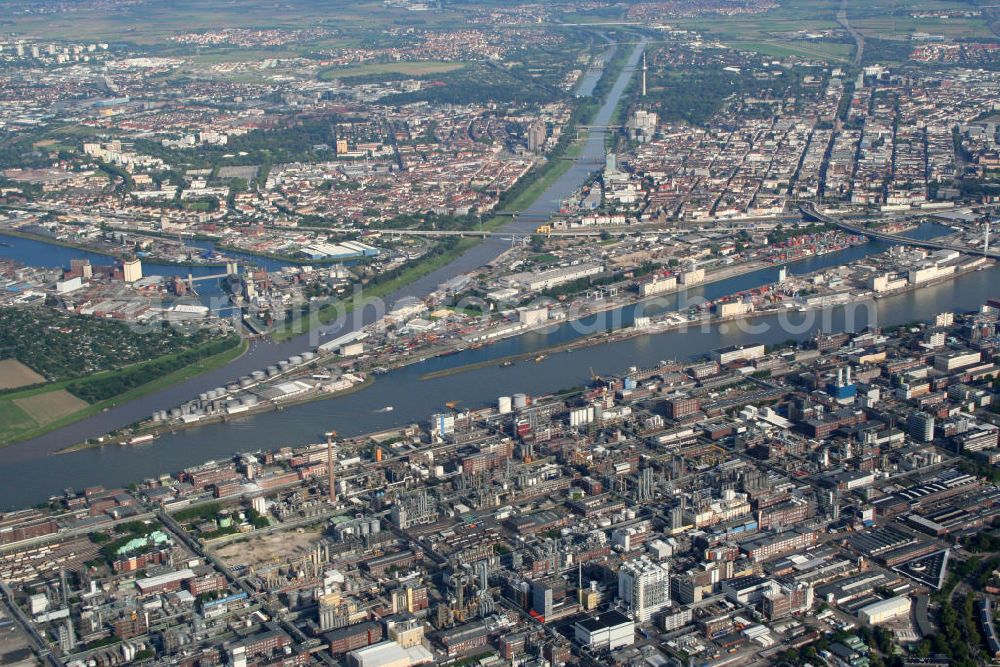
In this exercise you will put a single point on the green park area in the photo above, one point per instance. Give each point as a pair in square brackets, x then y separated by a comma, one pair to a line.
[46, 385]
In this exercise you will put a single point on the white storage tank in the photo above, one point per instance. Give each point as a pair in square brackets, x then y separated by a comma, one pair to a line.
[520, 401]
[504, 405]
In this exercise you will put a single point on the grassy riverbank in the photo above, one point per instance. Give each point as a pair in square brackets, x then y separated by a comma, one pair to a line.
[329, 312]
[32, 412]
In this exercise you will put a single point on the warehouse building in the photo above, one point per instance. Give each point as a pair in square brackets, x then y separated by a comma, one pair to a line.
[610, 630]
[885, 610]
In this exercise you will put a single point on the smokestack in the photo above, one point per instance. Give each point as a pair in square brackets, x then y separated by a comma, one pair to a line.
[329, 467]
[847, 376]
[840, 377]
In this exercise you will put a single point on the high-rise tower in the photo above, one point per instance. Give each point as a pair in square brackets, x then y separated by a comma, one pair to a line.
[644, 69]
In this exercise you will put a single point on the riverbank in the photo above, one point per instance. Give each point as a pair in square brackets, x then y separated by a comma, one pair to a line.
[331, 311]
[675, 323]
[32, 412]
[29, 475]
[270, 406]
[549, 174]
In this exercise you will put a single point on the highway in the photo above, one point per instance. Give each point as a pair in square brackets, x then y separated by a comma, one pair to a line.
[859, 40]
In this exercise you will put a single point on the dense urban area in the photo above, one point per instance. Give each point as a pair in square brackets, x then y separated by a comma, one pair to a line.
[383, 233]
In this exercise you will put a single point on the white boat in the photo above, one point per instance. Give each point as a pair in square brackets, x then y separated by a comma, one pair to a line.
[387, 408]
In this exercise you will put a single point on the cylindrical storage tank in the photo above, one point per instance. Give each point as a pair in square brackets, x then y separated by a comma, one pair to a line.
[295, 359]
[156, 417]
[175, 413]
[504, 405]
[162, 414]
[219, 391]
[258, 375]
[308, 356]
[234, 386]
[250, 400]
[520, 401]
[272, 370]
[246, 381]
[203, 396]
[283, 365]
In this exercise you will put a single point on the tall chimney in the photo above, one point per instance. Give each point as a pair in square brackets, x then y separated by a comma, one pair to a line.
[329, 467]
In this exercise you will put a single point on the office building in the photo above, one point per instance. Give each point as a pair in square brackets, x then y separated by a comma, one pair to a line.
[644, 586]
[920, 426]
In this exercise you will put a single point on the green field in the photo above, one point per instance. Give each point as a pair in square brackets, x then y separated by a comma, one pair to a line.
[769, 33]
[791, 16]
[17, 422]
[898, 27]
[829, 51]
[412, 68]
[152, 23]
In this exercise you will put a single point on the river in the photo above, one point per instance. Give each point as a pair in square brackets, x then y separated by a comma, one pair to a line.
[264, 354]
[29, 475]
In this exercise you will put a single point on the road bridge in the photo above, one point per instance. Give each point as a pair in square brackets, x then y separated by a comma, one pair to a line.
[809, 211]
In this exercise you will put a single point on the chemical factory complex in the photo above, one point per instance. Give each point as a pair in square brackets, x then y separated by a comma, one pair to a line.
[726, 510]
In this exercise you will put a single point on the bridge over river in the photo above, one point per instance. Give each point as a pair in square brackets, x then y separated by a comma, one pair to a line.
[810, 212]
